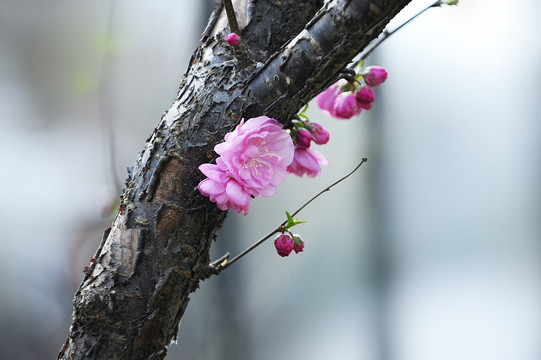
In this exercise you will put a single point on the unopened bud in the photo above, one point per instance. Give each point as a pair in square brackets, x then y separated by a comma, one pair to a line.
[304, 137]
[365, 96]
[375, 75]
[284, 245]
[319, 135]
[232, 39]
[298, 244]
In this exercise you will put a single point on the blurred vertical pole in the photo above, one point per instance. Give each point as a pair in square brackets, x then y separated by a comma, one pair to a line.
[106, 110]
[381, 267]
[231, 325]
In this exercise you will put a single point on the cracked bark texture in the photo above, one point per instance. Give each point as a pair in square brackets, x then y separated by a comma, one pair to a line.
[134, 294]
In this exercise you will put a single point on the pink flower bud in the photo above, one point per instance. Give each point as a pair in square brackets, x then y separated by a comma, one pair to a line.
[284, 245]
[345, 106]
[375, 75]
[298, 244]
[232, 39]
[304, 137]
[325, 100]
[319, 135]
[365, 96]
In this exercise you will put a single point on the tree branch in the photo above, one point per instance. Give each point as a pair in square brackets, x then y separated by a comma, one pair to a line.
[157, 251]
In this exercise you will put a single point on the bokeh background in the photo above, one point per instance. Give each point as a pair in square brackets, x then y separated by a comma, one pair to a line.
[430, 251]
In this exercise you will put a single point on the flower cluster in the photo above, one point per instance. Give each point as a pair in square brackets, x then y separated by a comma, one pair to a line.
[345, 99]
[259, 153]
[253, 161]
[307, 160]
[285, 244]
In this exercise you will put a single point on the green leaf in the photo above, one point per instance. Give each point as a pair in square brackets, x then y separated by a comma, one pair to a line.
[292, 222]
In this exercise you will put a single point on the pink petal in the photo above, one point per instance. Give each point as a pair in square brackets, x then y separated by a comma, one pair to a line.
[236, 194]
[208, 187]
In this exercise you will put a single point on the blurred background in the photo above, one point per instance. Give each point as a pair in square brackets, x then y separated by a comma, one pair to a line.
[430, 251]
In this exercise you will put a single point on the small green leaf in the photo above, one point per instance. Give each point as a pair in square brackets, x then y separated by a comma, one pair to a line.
[292, 222]
[289, 218]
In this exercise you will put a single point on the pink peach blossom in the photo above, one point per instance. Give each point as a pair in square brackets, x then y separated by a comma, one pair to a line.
[253, 161]
[257, 154]
[225, 191]
[307, 161]
[325, 100]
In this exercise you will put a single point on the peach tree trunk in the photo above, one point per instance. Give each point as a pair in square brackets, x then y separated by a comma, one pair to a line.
[131, 300]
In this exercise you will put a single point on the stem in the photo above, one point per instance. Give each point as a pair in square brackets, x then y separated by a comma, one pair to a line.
[230, 12]
[387, 34]
[363, 160]
[279, 228]
[253, 246]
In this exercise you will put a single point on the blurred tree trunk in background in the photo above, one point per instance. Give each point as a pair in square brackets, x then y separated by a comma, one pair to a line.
[137, 287]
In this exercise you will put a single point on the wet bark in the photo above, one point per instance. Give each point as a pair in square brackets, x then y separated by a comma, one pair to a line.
[137, 287]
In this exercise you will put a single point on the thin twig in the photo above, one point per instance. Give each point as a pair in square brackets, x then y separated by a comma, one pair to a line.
[231, 18]
[386, 34]
[253, 246]
[328, 188]
[220, 268]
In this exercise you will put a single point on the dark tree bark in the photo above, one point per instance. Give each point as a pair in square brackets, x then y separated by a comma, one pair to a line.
[157, 251]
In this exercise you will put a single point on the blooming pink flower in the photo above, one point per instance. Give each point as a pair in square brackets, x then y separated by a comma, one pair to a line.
[298, 244]
[284, 245]
[253, 161]
[256, 154]
[304, 137]
[365, 96]
[319, 135]
[375, 75]
[307, 161]
[232, 39]
[225, 191]
[345, 106]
